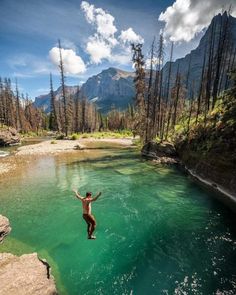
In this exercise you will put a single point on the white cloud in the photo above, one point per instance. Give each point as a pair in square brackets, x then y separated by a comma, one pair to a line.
[185, 18]
[155, 62]
[98, 49]
[121, 59]
[103, 21]
[73, 64]
[129, 36]
[104, 44]
[88, 10]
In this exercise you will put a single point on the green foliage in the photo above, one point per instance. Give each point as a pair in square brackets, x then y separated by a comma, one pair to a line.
[100, 135]
[53, 142]
[214, 133]
[74, 136]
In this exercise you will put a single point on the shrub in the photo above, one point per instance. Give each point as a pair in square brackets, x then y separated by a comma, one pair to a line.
[74, 136]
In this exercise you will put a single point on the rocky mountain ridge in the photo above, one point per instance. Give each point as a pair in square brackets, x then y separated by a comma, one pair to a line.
[114, 87]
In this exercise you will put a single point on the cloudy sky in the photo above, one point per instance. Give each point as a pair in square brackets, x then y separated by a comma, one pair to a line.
[94, 35]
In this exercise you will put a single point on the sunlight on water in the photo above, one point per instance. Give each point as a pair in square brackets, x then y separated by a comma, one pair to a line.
[157, 233]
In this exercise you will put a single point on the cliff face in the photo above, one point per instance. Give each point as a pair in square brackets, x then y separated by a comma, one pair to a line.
[193, 62]
[210, 148]
[217, 168]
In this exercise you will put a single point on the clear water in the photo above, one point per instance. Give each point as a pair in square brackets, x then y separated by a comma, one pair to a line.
[158, 232]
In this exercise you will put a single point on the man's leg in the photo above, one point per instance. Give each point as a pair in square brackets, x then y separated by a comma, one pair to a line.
[89, 225]
[92, 223]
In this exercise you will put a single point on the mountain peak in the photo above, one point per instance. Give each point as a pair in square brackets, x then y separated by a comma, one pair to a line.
[116, 74]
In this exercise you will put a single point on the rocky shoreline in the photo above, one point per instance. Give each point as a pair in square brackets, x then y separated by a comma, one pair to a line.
[9, 136]
[25, 274]
[55, 147]
[166, 153]
[161, 153]
[5, 228]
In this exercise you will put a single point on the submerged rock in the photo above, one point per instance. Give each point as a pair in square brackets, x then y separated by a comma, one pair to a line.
[161, 152]
[26, 274]
[9, 136]
[4, 227]
[4, 154]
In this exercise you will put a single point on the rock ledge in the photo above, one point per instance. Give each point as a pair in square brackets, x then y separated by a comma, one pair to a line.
[9, 136]
[25, 275]
[4, 227]
[160, 152]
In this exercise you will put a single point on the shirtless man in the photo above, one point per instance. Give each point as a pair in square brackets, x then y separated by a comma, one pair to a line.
[87, 211]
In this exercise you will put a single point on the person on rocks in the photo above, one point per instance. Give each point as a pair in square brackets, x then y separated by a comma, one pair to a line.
[87, 211]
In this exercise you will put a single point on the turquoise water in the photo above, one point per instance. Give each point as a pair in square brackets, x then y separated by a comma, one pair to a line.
[157, 233]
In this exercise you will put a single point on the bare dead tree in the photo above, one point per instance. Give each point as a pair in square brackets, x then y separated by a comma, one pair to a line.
[139, 82]
[64, 99]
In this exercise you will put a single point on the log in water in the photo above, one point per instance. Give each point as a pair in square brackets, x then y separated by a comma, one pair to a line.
[158, 232]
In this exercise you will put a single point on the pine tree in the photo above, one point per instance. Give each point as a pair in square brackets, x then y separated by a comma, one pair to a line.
[64, 98]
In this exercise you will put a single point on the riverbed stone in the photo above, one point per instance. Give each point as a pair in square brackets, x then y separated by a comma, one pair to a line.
[25, 275]
[9, 136]
[161, 152]
[4, 227]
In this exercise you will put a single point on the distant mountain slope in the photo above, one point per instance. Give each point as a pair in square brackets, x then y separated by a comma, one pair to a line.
[43, 101]
[110, 87]
[115, 87]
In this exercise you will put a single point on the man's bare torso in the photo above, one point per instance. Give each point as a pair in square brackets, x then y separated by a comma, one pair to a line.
[86, 203]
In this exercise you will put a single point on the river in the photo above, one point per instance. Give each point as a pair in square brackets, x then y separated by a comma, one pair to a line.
[158, 232]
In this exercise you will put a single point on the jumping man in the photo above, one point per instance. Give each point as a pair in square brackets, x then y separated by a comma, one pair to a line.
[87, 211]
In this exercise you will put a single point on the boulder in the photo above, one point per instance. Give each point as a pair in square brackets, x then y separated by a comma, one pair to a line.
[4, 227]
[9, 136]
[25, 275]
[161, 152]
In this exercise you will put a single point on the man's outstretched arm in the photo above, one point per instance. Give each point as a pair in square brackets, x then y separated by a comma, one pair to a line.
[77, 194]
[96, 197]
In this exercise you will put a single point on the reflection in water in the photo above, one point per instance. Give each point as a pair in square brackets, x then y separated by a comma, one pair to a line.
[158, 232]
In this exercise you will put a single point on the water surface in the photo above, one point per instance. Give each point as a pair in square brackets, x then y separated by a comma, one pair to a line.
[158, 232]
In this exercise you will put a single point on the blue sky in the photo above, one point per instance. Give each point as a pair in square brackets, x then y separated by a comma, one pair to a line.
[29, 30]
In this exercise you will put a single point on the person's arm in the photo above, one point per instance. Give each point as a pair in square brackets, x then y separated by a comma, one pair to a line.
[96, 197]
[77, 194]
